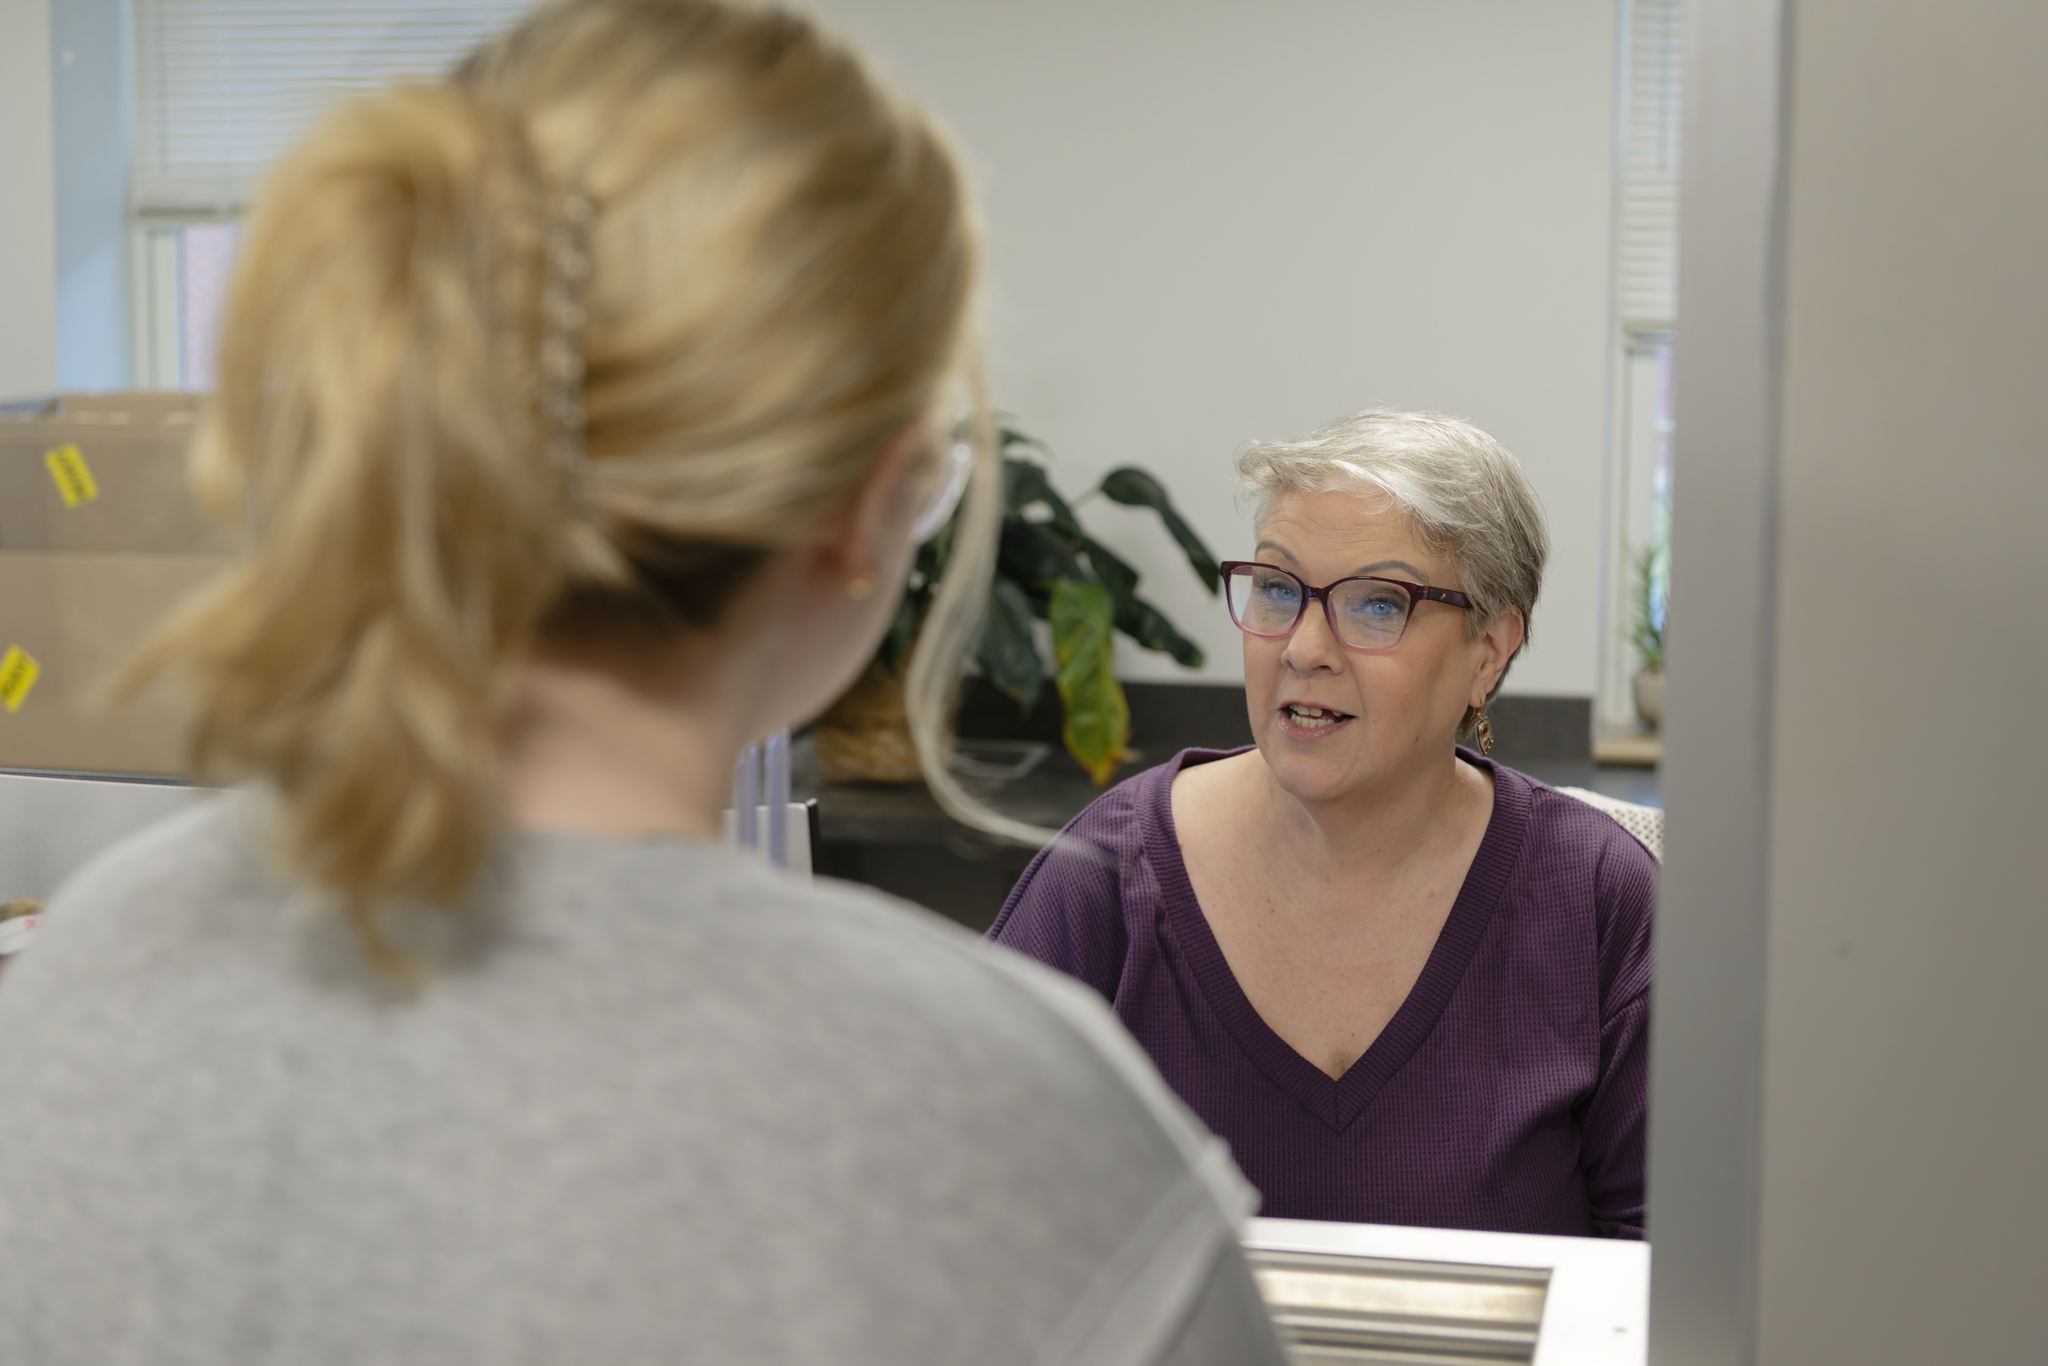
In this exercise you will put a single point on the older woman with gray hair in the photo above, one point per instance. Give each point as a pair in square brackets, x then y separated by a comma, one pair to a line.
[1408, 984]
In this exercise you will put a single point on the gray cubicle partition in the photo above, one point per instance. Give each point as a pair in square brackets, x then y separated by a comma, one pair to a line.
[52, 824]
[1849, 1102]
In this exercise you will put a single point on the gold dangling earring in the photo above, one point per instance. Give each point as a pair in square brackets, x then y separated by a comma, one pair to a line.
[861, 588]
[1483, 732]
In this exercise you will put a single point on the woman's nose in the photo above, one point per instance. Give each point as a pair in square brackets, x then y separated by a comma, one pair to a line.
[1313, 647]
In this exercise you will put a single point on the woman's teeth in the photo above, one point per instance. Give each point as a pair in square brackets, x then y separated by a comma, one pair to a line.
[1314, 718]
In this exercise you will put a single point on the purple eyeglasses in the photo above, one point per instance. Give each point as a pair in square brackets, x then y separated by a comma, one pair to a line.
[1365, 613]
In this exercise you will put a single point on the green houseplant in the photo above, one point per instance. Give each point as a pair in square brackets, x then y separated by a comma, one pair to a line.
[1649, 613]
[1050, 569]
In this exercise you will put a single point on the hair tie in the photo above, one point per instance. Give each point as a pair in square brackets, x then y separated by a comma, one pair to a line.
[567, 261]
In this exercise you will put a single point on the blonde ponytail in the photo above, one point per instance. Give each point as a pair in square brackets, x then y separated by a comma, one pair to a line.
[404, 537]
[782, 267]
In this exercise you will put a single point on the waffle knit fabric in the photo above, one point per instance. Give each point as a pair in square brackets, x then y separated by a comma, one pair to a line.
[1509, 1090]
[655, 1103]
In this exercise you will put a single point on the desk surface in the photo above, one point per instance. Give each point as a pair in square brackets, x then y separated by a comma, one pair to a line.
[1596, 1309]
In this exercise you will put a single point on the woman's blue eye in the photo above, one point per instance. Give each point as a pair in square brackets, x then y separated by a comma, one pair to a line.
[1378, 608]
[1278, 590]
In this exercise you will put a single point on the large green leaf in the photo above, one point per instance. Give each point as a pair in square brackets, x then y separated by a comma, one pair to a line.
[1135, 617]
[1026, 482]
[1008, 436]
[1147, 625]
[1135, 488]
[1098, 718]
[1111, 568]
[1008, 653]
[1034, 555]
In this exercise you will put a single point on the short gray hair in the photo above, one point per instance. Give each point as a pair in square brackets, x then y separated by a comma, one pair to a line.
[1466, 496]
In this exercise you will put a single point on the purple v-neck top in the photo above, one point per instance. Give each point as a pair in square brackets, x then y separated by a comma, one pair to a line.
[1508, 1091]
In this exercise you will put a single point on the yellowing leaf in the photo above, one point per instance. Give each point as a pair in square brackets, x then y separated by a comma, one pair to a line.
[1083, 618]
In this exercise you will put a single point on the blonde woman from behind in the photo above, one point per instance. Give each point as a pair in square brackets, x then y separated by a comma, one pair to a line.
[581, 408]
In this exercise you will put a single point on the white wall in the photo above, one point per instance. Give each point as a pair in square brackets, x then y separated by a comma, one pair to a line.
[1211, 222]
[28, 219]
[1214, 222]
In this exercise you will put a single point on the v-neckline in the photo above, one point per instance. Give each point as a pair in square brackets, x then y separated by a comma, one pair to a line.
[1338, 1102]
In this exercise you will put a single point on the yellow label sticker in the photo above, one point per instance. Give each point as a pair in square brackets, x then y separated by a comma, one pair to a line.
[18, 670]
[72, 475]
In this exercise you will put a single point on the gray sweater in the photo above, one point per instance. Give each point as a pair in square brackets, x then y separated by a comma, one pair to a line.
[656, 1103]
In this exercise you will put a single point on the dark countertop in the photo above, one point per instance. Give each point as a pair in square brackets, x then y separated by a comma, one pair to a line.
[906, 813]
[1057, 790]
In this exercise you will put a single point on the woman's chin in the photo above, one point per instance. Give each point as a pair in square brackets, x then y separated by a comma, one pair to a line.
[1313, 770]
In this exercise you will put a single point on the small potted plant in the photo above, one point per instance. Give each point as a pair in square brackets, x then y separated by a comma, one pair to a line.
[1646, 631]
[1050, 569]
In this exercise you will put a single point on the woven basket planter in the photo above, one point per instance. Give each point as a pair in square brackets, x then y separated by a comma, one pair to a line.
[865, 737]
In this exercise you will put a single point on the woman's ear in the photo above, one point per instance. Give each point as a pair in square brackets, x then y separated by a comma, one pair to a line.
[1498, 642]
[854, 543]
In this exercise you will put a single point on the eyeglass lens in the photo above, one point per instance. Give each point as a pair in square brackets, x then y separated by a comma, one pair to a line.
[1368, 614]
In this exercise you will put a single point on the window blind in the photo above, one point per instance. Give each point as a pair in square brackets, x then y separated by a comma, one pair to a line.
[1652, 121]
[223, 87]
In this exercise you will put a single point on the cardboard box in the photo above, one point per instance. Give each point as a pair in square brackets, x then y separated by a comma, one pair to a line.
[104, 472]
[98, 543]
[78, 617]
